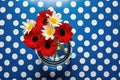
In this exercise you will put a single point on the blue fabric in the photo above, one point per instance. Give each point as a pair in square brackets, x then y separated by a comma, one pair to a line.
[95, 44]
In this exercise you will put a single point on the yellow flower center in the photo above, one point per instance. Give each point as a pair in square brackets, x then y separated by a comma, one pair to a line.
[53, 20]
[29, 27]
[50, 30]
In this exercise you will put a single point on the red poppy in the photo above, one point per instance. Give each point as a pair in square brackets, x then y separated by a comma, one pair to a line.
[63, 32]
[48, 48]
[33, 39]
[42, 18]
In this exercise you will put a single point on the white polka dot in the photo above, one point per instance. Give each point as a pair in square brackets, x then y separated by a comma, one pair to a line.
[1, 31]
[82, 61]
[73, 55]
[80, 37]
[14, 56]
[86, 15]
[100, 55]
[45, 68]
[94, 9]
[101, 31]
[93, 61]
[32, 10]
[6, 75]
[85, 67]
[66, 10]
[58, 3]
[73, 4]
[80, 10]
[43, 78]
[113, 78]
[59, 68]
[115, 17]
[73, 16]
[108, 23]
[1, 68]
[15, 44]
[106, 74]
[6, 62]
[108, 10]
[10, 3]
[2, 22]
[14, 79]
[8, 50]
[14, 69]
[15, 22]
[29, 78]
[73, 30]
[40, 4]
[86, 54]
[29, 56]
[23, 74]
[1, 55]
[15, 31]
[86, 78]
[115, 3]
[101, 16]
[72, 43]
[22, 51]
[94, 36]
[87, 30]
[74, 67]
[108, 37]
[37, 74]
[81, 74]
[80, 49]
[100, 43]
[99, 78]
[67, 73]
[38, 61]
[17, 10]
[21, 62]
[72, 78]
[115, 56]
[86, 42]
[100, 4]
[99, 67]
[94, 22]
[87, 3]
[114, 68]
[119, 74]
[94, 48]
[23, 16]
[59, 78]
[3, 9]
[1, 44]
[30, 67]
[93, 74]
[9, 16]
[22, 38]
[115, 31]
[52, 74]
[115, 44]
[25, 4]
[108, 50]
[80, 23]
[106, 61]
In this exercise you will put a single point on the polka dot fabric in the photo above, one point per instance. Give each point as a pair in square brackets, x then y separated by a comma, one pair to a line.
[95, 44]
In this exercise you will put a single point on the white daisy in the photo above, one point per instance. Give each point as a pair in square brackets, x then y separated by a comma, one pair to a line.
[27, 26]
[55, 19]
[48, 31]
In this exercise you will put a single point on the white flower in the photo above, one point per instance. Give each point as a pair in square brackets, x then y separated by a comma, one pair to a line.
[48, 31]
[27, 26]
[55, 19]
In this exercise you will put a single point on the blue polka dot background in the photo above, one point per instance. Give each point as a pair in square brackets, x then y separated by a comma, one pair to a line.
[95, 45]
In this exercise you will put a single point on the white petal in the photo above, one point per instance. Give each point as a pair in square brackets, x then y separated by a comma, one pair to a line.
[23, 27]
[52, 37]
[25, 24]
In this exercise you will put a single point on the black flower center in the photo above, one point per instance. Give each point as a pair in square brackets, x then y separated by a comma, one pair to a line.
[47, 45]
[35, 38]
[62, 32]
[44, 21]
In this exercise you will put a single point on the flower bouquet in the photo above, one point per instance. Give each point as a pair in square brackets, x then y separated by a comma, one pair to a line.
[49, 36]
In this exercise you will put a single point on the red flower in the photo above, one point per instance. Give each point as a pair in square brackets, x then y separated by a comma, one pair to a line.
[33, 39]
[63, 32]
[48, 48]
[42, 18]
